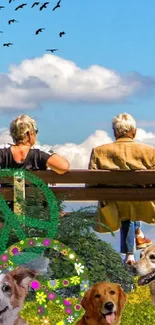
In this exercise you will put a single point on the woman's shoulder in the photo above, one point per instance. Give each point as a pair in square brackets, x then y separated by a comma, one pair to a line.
[42, 151]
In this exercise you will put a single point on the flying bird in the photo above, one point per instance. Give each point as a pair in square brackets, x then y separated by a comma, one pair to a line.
[12, 21]
[39, 30]
[61, 34]
[35, 4]
[57, 5]
[1, 7]
[7, 44]
[21, 6]
[1, 31]
[44, 5]
[52, 50]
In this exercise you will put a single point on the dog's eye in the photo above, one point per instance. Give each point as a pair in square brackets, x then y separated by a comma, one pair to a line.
[6, 288]
[97, 295]
[112, 292]
[152, 257]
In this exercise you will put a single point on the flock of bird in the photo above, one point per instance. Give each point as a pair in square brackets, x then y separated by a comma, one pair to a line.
[39, 30]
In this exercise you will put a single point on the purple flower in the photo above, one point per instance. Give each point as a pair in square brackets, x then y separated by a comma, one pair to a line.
[31, 242]
[77, 307]
[35, 285]
[66, 302]
[47, 242]
[51, 296]
[41, 310]
[65, 283]
[4, 258]
[15, 250]
[68, 311]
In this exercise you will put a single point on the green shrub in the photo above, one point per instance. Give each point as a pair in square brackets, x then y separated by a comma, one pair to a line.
[102, 261]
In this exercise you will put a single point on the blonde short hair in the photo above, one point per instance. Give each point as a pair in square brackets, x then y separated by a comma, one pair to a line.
[20, 126]
[123, 124]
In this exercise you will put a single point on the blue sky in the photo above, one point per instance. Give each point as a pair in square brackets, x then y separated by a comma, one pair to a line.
[117, 35]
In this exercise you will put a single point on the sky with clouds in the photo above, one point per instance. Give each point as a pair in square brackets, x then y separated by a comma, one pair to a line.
[104, 65]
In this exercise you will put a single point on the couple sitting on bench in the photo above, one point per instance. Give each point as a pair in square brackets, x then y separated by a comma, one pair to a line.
[124, 153]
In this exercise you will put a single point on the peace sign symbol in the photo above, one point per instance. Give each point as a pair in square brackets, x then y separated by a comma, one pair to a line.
[45, 289]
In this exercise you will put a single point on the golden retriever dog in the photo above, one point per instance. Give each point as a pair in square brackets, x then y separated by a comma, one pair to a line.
[103, 304]
[146, 268]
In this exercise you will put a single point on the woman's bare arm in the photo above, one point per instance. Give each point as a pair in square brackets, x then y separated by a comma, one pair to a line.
[58, 164]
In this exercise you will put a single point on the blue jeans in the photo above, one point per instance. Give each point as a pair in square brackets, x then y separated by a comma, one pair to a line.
[127, 234]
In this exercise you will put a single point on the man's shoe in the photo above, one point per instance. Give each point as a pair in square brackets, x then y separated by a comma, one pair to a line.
[141, 242]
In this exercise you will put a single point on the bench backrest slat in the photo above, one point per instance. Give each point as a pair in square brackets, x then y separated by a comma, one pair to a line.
[141, 179]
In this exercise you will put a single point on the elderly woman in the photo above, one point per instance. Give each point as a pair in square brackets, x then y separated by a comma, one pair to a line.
[23, 130]
[125, 153]
[22, 155]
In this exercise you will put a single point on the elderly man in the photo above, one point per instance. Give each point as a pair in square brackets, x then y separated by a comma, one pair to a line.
[125, 154]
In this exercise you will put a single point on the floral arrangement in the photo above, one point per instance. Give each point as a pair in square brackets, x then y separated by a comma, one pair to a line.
[138, 310]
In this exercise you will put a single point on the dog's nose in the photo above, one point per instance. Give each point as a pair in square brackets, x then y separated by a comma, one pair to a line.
[109, 306]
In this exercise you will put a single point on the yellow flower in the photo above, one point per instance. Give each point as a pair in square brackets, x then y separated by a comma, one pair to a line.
[75, 280]
[41, 297]
[62, 307]
[64, 252]
[45, 320]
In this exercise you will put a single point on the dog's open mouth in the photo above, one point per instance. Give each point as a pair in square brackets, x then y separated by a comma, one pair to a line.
[110, 317]
[146, 279]
[3, 310]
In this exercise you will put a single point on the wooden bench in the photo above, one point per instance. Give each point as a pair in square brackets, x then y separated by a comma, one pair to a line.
[137, 185]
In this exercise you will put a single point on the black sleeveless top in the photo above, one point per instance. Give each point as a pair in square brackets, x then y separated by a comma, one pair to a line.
[35, 160]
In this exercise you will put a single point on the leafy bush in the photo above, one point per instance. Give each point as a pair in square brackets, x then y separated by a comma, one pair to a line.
[75, 232]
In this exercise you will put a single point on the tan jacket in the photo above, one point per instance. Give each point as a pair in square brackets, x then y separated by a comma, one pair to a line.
[125, 154]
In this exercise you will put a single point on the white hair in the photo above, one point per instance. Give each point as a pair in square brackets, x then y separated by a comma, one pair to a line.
[123, 124]
[20, 126]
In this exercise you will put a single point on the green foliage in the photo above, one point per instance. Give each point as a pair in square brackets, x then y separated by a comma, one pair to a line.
[102, 261]
[75, 231]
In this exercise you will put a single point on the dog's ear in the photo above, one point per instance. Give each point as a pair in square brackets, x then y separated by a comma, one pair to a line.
[86, 302]
[23, 276]
[121, 298]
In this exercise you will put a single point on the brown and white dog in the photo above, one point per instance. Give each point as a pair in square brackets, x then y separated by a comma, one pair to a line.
[145, 267]
[13, 291]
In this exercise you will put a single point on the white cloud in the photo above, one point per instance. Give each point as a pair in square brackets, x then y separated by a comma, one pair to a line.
[145, 137]
[53, 78]
[5, 137]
